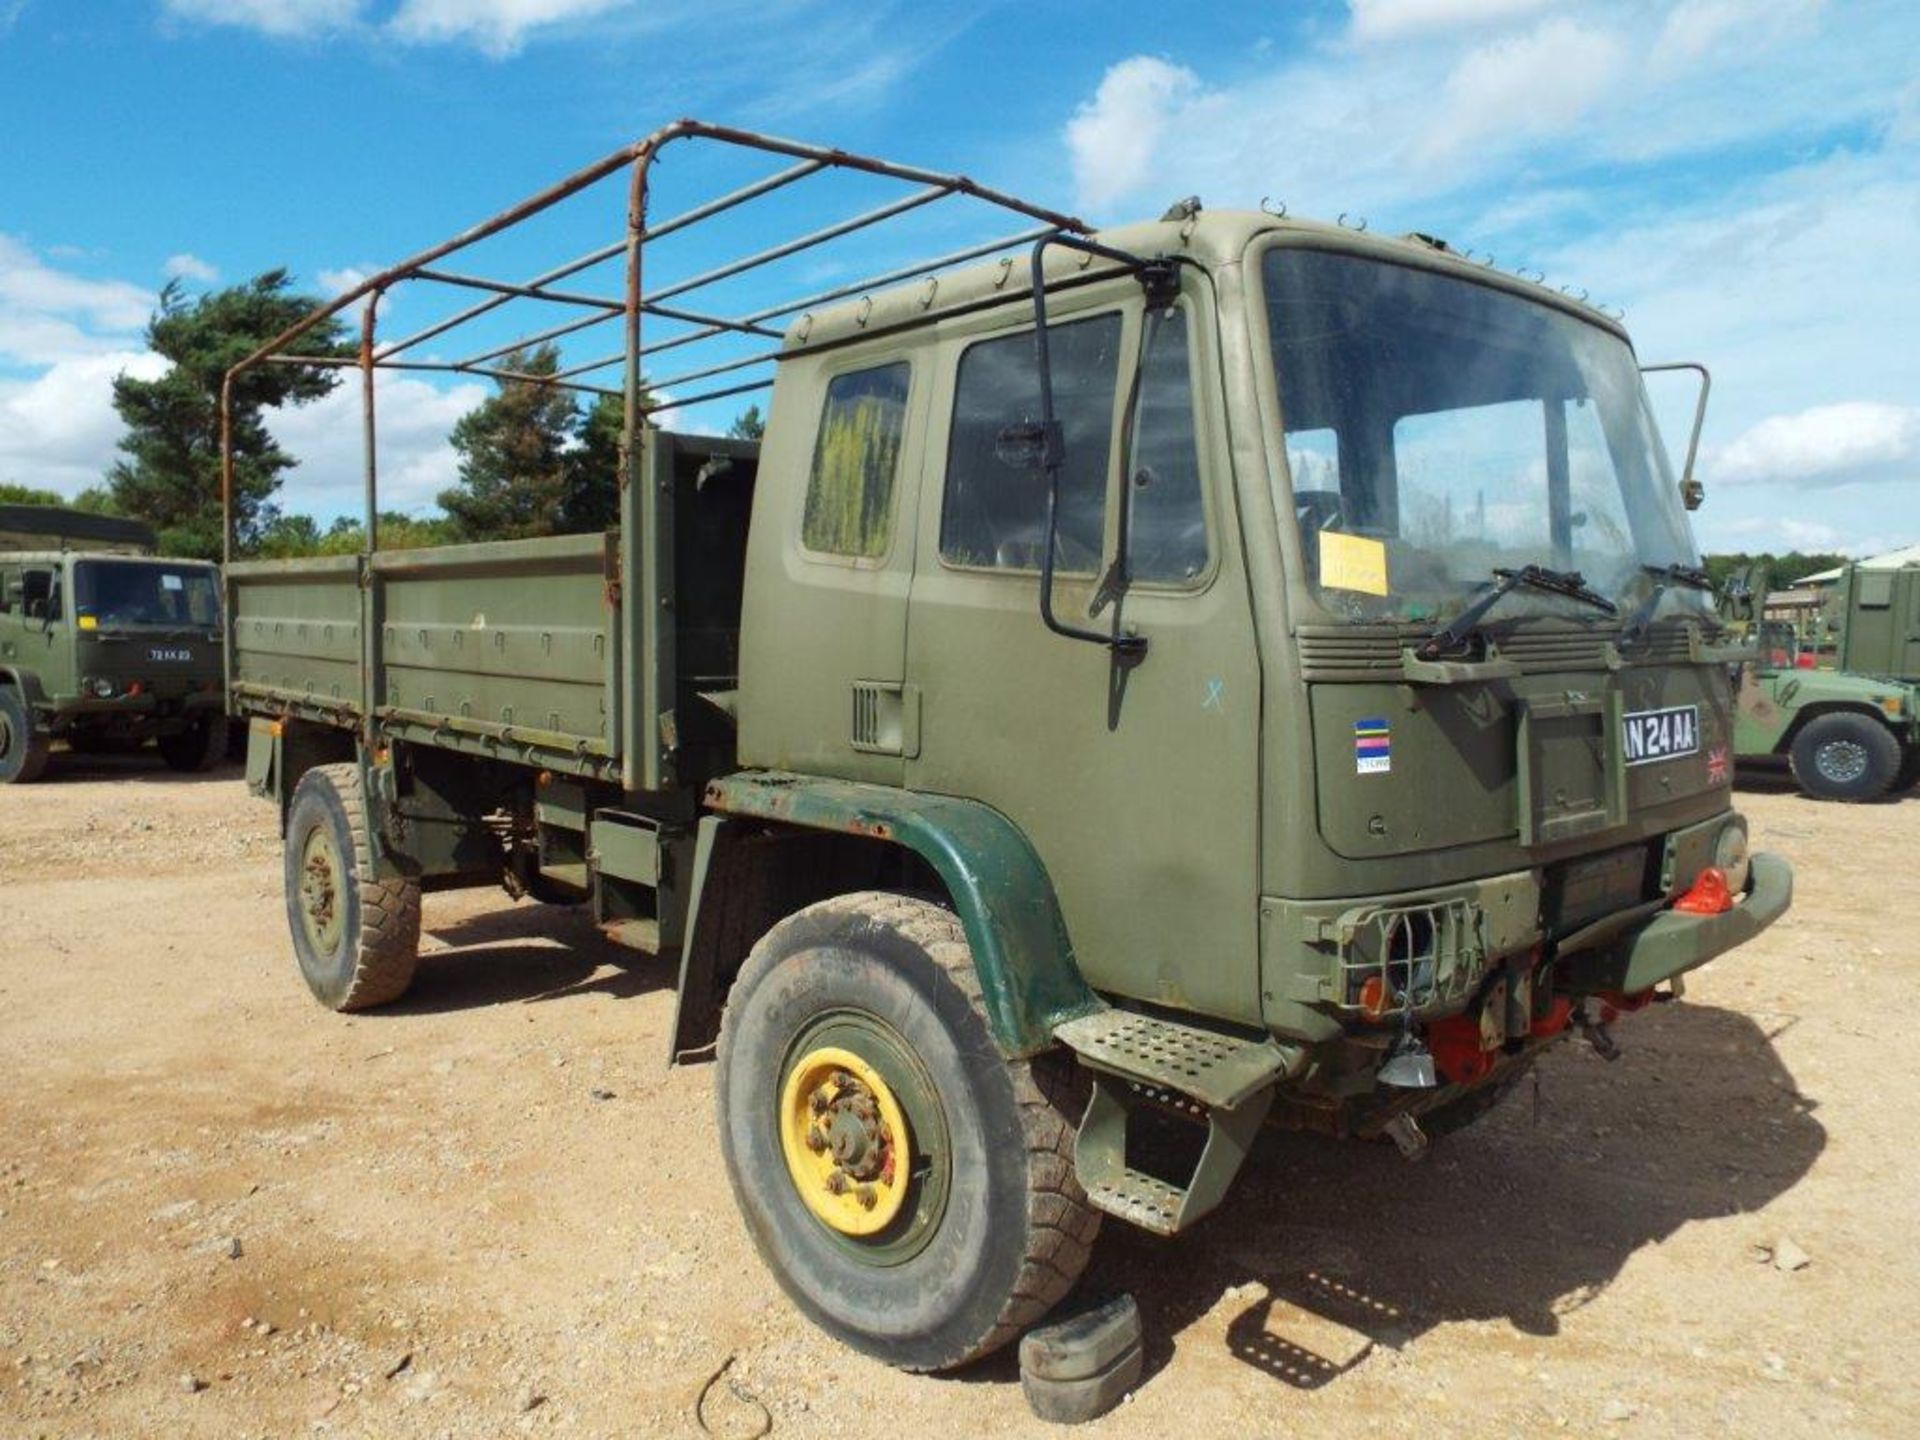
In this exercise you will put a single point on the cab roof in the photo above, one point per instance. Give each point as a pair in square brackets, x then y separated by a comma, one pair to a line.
[1213, 239]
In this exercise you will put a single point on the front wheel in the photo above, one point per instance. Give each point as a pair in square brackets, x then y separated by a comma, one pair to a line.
[357, 937]
[910, 1188]
[201, 746]
[23, 749]
[1845, 756]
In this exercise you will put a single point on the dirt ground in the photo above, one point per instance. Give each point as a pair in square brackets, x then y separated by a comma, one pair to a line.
[493, 1210]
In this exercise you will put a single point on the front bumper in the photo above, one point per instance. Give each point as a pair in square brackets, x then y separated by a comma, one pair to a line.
[180, 706]
[1673, 943]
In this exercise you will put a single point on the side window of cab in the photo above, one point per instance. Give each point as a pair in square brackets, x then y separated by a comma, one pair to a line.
[994, 515]
[856, 463]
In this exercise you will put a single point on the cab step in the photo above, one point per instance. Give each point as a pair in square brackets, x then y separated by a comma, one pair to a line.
[1228, 1079]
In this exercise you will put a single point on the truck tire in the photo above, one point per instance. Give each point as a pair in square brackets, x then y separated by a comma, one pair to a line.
[357, 938]
[200, 747]
[1845, 756]
[857, 1024]
[23, 749]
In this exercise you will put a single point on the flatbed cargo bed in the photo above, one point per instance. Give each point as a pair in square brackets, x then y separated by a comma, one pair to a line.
[517, 650]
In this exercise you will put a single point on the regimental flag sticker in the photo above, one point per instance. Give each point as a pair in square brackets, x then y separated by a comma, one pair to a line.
[1372, 746]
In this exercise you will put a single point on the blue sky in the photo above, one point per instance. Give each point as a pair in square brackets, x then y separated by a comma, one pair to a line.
[1742, 177]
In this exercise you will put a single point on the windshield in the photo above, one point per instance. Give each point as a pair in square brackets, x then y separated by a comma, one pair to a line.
[115, 593]
[1438, 429]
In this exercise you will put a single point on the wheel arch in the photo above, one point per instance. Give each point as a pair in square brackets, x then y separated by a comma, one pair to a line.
[1820, 708]
[989, 872]
[27, 683]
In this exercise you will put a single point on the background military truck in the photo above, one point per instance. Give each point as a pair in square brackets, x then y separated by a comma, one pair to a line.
[1880, 620]
[103, 645]
[1845, 736]
[1232, 665]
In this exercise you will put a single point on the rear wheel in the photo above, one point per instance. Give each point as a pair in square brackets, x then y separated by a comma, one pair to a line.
[201, 746]
[1845, 756]
[910, 1188]
[23, 749]
[357, 937]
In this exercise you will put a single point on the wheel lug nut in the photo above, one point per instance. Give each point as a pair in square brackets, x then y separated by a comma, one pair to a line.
[816, 1142]
[868, 1196]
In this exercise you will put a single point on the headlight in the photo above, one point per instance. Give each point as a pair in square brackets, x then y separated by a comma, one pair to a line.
[102, 687]
[1730, 855]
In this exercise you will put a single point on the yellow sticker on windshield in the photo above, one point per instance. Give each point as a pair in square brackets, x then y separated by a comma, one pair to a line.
[1353, 562]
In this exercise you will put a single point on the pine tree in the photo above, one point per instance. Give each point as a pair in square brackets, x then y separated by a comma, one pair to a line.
[170, 477]
[515, 470]
[749, 424]
[593, 470]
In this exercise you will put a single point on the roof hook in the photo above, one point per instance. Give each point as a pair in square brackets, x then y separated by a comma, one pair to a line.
[1357, 225]
[1279, 214]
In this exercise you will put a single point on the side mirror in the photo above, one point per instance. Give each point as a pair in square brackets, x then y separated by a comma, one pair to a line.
[1692, 492]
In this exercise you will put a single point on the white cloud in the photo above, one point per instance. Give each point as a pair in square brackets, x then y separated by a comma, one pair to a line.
[1703, 29]
[1778, 534]
[1853, 441]
[1391, 19]
[1523, 87]
[348, 277]
[59, 430]
[416, 462]
[49, 315]
[189, 267]
[287, 19]
[497, 27]
[1113, 137]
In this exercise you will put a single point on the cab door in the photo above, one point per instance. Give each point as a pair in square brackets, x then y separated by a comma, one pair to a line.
[1138, 785]
[824, 632]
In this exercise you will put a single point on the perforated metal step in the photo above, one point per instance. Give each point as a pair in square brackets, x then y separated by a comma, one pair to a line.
[1229, 1079]
[1140, 1199]
[1217, 1070]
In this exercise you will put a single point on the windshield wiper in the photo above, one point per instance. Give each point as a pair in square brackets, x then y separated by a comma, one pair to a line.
[1665, 577]
[1570, 583]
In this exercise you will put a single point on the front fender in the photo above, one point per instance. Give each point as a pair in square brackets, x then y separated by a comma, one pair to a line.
[1029, 978]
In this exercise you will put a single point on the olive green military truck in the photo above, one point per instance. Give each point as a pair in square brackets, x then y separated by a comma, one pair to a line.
[1255, 672]
[1844, 736]
[103, 645]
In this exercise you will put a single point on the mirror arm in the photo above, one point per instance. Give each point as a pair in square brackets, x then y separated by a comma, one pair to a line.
[1155, 277]
[1692, 492]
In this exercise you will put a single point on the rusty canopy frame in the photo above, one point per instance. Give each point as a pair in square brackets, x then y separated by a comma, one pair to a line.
[667, 302]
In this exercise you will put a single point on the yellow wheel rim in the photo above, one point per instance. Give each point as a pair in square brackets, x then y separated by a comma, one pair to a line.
[846, 1141]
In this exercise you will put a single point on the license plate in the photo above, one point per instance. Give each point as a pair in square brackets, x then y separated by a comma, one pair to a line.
[1662, 734]
[164, 655]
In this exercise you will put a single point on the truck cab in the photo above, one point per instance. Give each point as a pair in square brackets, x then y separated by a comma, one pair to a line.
[105, 647]
[1298, 802]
